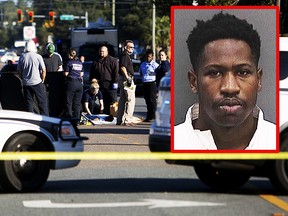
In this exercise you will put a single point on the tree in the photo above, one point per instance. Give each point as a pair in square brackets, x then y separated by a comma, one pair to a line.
[8, 29]
[61, 29]
[135, 23]
[163, 32]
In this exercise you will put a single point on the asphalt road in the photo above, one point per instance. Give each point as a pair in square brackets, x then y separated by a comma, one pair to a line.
[137, 187]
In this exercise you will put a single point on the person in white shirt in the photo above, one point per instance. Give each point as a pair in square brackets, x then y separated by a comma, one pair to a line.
[224, 53]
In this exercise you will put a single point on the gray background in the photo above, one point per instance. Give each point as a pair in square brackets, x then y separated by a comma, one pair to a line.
[263, 21]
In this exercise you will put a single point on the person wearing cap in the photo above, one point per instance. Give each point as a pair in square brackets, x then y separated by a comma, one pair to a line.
[32, 71]
[92, 100]
[54, 80]
[53, 61]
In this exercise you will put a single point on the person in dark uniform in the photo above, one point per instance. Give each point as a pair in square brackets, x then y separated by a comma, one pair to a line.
[105, 70]
[92, 100]
[73, 85]
[163, 68]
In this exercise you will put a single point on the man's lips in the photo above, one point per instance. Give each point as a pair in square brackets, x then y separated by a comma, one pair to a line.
[230, 105]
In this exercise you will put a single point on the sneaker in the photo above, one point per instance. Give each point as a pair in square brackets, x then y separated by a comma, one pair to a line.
[130, 124]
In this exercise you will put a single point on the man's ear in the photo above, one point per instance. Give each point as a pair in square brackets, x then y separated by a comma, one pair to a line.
[259, 76]
[192, 77]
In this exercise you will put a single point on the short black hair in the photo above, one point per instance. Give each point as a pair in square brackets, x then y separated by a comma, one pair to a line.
[149, 51]
[221, 26]
[127, 41]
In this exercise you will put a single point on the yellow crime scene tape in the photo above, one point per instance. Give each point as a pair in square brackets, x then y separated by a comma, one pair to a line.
[140, 156]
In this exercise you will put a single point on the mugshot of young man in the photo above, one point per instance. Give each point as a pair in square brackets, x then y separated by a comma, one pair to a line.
[227, 78]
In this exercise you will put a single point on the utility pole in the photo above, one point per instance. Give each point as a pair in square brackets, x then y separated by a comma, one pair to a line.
[153, 28]
[86, 19]
[113, 12]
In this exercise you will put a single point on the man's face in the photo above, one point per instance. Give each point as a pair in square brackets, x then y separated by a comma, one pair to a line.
[149, 57]
[227, 82]
[130, 48]
[103, 52]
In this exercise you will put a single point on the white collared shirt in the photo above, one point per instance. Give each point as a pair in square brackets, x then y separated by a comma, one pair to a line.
[188, 138]
[147, 70]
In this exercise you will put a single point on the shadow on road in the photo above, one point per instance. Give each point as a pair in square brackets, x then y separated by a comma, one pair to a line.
[124, 185]
[115, 129]
[150, 185]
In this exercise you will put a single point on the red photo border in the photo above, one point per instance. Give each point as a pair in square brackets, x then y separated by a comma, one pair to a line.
[276, 8]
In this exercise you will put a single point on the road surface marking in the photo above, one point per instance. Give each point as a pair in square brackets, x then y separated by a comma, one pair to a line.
[275, 201]
[123, 138]
[151, 203]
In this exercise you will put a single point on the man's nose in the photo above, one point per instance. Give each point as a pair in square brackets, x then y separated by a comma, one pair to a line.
[230, 84]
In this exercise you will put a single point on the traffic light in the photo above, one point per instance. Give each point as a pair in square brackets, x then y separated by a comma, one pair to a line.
[30, 16]
[19, 15]
[51, 16]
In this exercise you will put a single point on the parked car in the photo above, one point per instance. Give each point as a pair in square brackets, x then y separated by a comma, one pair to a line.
[159, 134]
[9, 56]
[28, 132]
[228, 174]
[2, 53]
[137, 77]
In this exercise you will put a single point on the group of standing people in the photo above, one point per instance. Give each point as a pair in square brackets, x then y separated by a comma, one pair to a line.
[152, 73]
[33, 69]
[106, 76]
[112, 74]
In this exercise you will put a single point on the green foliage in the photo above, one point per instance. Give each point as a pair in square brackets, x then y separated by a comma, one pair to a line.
[61, 29]
[133, 18]
[135, 23]
[163, 32]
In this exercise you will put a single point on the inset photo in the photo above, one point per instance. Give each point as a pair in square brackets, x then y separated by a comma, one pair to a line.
[225, 79]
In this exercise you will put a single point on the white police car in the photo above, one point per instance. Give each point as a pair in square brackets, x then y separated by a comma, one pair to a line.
[28, 132]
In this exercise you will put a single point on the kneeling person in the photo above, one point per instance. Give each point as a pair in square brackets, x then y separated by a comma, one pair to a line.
[92, 100]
